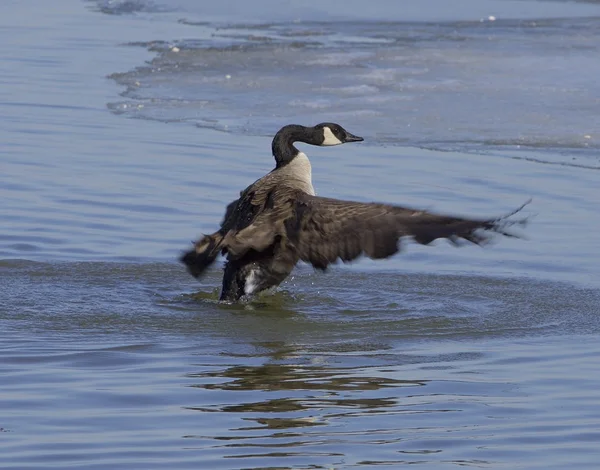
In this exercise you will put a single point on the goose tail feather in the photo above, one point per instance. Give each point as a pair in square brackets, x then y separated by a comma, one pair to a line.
[203, 255]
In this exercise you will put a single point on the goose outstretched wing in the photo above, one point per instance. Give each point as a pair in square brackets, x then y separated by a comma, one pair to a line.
[324, 230]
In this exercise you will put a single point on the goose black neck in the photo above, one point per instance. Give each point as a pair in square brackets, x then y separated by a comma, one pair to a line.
[283, 142]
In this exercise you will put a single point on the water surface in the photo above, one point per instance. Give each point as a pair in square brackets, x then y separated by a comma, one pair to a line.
[125, 127]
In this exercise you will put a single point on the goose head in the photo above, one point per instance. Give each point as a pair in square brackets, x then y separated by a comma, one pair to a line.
[324, 134]
[334, 134]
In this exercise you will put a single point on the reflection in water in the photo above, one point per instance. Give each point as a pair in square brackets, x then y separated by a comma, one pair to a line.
[302, 399]
[285, 377]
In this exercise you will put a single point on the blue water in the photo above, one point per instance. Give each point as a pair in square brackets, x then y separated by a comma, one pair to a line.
[125, 127]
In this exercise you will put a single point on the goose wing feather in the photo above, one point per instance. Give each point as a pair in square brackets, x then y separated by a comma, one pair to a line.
[324, 230]
[257, 219]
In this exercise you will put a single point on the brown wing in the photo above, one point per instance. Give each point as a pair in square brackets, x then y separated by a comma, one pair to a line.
[257, 220]
[246, 225]
[324, 230]
[230, 214]
[253, 200]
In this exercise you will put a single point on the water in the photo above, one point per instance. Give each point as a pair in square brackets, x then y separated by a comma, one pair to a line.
[117, 150]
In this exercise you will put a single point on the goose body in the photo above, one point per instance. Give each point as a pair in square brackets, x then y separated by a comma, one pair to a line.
[278, 220]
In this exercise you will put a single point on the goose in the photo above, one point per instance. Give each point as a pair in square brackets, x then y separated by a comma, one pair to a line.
[278, 221]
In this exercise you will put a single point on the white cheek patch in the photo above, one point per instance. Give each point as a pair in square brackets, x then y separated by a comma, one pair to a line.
[330, 138]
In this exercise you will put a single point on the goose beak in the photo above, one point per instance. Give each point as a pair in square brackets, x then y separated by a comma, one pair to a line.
[352, 138]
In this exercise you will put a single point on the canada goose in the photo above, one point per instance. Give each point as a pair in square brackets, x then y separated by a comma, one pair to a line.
[278, 221]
